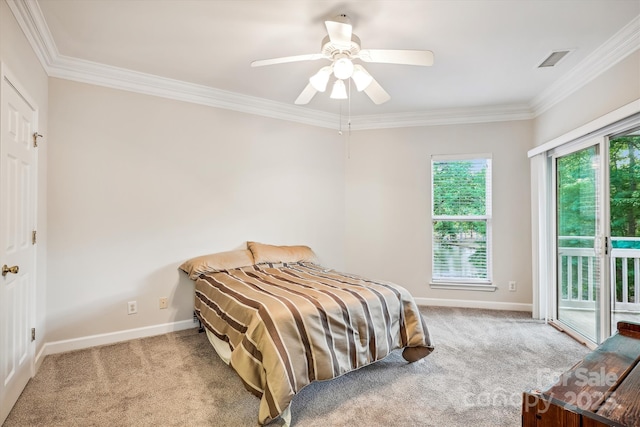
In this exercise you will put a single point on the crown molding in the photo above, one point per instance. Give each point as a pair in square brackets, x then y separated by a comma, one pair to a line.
[119, 78]
[443, 117]
[619, 46]
[31, 20]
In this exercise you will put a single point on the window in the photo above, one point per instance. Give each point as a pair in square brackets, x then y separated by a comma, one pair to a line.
[461, 219]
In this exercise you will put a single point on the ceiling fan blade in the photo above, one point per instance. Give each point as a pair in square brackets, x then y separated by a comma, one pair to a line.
[377, 94]
[340, 31]
[405, 57]
[285, 59]
[307, 94]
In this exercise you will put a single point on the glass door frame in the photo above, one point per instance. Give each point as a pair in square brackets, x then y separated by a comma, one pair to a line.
[618, 314]
[622, 119]
[603, 325]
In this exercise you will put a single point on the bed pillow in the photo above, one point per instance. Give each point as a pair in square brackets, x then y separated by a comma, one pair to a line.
[275, 254]
[216, 262]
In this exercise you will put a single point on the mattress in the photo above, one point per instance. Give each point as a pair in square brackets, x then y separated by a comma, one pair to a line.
[289, 324]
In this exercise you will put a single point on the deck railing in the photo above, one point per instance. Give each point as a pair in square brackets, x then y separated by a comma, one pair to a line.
[578, 270]
[625, 273]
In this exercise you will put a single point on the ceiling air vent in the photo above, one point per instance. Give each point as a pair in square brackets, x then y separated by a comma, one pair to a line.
[553, 58]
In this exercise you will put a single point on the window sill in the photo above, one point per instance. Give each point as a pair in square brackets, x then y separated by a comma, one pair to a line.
[464, 286]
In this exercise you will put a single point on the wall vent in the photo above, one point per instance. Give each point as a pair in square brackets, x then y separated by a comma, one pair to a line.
[553, 58]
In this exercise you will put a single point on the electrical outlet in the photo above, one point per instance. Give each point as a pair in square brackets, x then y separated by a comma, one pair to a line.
[512, 285]
[164, 302]
[132, 307]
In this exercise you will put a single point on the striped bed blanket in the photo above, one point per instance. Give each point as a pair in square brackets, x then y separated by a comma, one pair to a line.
[290, 324]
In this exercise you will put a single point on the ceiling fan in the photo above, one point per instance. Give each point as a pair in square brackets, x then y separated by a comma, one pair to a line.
[342, 47]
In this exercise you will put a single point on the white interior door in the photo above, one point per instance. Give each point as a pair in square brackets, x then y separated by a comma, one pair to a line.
[18, 168]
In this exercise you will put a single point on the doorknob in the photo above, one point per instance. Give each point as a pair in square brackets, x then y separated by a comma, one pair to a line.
[13, 270]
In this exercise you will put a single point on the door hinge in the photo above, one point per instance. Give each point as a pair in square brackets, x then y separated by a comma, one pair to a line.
[36, 135]
[606, 246]
[33, 334]
[34, 237]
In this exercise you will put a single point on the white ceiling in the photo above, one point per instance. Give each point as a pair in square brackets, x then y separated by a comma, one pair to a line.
[486, 51]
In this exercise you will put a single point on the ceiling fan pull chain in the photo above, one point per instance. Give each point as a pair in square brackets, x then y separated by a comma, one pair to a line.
[339, 118]
[349, 107]
[349, 124]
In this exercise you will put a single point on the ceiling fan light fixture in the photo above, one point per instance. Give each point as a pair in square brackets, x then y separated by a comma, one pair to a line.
[343, 68]
[361, 78]
[342, 47]
[339, 90]
[320, 79]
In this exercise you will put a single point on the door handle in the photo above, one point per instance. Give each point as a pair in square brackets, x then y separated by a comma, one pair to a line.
[12, 270]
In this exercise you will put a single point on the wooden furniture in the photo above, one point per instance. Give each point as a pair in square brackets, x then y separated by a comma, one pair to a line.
[601, 390]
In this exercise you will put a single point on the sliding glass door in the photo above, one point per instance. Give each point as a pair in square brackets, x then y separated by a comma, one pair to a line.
[579, 261]
[597, 234]
[624, 189]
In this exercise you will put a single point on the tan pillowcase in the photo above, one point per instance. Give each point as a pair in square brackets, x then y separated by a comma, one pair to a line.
[216, 262]
[274, 254]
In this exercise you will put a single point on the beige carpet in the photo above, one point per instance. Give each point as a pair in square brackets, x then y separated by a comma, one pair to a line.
[482, 362]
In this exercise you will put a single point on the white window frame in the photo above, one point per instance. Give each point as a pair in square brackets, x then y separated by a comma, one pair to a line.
[459, 283]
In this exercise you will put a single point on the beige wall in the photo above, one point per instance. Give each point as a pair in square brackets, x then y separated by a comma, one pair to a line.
[138, 184]
[18, 57]
[388, 205]
[618, 86]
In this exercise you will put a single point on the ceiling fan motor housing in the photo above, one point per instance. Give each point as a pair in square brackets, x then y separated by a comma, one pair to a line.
[329, 49]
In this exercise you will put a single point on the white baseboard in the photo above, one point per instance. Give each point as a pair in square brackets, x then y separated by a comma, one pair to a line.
[39, 358]
[490, 305]
[148, 331]
[112, 338]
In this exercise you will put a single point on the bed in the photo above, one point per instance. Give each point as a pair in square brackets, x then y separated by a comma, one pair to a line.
[282, 321]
